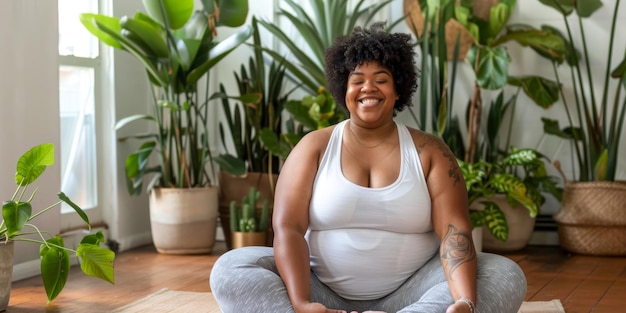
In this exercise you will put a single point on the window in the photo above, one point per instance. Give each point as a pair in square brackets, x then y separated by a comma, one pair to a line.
[79, 61]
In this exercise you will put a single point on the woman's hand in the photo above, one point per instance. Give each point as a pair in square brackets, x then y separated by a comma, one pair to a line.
[459, 307]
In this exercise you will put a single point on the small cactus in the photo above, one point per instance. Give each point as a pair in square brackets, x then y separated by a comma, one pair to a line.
[244, 218]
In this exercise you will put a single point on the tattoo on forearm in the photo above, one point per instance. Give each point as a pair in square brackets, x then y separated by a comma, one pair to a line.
[453, 171]
[456, 249]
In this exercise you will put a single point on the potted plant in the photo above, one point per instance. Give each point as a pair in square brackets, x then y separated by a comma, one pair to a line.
[178, 47]
[592, 219]
[17, 214]
[500, 187]
[249, 227]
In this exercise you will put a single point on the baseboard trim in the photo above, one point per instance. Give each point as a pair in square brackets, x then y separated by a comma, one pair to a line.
[544, 238]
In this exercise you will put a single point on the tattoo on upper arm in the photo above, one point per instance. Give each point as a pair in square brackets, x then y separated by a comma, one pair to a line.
[453, 171]
[456, 249]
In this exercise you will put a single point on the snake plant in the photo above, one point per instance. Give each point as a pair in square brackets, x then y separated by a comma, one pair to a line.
[596, 126]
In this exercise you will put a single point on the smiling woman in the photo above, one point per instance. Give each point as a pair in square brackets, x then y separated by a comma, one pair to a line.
[379, 196]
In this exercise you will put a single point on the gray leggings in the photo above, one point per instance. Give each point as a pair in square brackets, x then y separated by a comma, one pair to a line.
[246, 280]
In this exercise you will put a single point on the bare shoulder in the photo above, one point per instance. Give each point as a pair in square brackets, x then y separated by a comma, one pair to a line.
[435, 155]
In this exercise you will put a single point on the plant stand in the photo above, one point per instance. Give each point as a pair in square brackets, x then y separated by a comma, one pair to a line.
[6, 273]
[234, 189]
[183, 220]
[243, 239]
[592, 218]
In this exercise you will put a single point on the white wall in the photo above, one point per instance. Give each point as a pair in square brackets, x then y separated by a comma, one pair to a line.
[29, 102]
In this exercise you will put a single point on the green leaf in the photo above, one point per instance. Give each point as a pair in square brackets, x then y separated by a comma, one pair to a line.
[493, 218]
[231, 164]
[300, 113]
[600, 168]
[96, 261]
[565, 7]
[551, 126]
[542, 91]
[273, 144]
[620, 71]
[585, 8]
[545, 42]
[33, 163]
[177, 12]
[89, 21]
[94, 239]
[498, 17]
[145, 34]
[218, 52]
[493, 66]
[55, 266]
[233, 13]
[15, 215]
[521, 157]
[114, 32]
[76, 208]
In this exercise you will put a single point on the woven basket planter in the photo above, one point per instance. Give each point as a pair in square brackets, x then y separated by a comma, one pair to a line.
[592, 218]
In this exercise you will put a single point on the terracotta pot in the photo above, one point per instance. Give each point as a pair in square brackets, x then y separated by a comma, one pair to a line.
[235, 188]
[184, 220]
[6, 273]
[243, 239]
[592, 218]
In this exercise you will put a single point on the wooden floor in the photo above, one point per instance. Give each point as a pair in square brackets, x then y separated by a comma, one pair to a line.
[582, 283]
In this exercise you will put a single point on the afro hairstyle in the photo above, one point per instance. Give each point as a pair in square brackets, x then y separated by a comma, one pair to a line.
[393, 51]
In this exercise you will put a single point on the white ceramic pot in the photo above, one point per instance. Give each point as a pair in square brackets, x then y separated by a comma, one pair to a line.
[184, 220]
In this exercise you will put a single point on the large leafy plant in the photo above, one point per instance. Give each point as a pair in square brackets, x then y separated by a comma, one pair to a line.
[17, 214]
[177, 46]
[520, 175]
[596, 127]
[476, 32]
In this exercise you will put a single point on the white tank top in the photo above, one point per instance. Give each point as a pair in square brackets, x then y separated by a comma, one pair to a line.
[365, 242]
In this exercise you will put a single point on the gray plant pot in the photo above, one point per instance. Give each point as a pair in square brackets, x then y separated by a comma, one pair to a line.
[6, 273]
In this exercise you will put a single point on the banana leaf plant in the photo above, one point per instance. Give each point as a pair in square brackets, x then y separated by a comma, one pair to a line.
[475, 32]
[520, 174]
[490, 61]
[595, 129]
[17, 214]
[177, 45]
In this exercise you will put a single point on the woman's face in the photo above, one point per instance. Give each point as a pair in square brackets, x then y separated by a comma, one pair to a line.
[371, 93]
